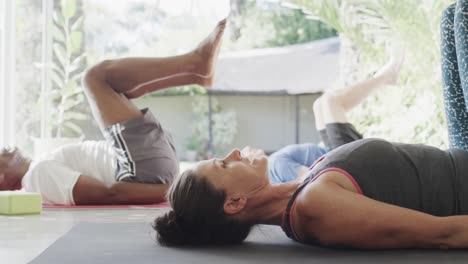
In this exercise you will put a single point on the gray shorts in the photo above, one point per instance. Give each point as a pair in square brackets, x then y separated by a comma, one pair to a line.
[145, 152]
[338, 134]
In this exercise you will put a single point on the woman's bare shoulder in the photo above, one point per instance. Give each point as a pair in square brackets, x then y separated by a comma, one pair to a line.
[309, 210]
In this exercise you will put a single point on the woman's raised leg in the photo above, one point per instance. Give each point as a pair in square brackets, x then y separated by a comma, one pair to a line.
[333, 105]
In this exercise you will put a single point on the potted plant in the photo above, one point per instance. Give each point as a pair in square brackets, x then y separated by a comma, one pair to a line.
[192, 146]
[224, 127]
[65, 98]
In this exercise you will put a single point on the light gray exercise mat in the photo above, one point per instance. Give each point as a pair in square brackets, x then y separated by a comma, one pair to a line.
[133, 243]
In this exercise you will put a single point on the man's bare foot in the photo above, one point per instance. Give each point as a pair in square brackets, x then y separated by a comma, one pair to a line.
[207, 53]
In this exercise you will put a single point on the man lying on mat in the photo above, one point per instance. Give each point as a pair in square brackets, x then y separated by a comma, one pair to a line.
[137, 162]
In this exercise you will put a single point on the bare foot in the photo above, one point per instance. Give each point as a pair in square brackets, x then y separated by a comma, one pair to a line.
[390, 71]
[207, 53]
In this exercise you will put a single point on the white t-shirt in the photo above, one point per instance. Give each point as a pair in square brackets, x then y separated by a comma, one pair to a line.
[55, 174]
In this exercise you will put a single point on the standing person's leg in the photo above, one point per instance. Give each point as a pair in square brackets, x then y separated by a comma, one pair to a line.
[145, 152]
[455, 106]
[331, 108]
[454, 33]
[461, 43]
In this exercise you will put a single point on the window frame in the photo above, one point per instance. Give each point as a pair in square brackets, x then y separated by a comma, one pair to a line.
[7, 73]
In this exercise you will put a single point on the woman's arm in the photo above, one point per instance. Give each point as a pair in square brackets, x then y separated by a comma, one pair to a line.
[337, 216]
[90, 191]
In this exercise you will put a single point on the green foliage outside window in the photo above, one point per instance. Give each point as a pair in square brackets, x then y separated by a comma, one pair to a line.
[293, 27]
[371, 30]
[263, 26]
[69, 63]
[224, 128]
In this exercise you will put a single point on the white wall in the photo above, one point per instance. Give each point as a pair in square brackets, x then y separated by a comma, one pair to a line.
[268, 122]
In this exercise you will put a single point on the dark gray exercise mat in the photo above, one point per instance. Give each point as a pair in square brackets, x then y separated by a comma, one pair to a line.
[133, 243]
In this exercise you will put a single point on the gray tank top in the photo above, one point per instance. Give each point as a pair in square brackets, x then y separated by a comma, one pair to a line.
[418, 177]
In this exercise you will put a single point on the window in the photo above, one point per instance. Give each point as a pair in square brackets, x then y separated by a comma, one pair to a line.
[7, 64]
[28, 26]
[47, 44]
[20, 71]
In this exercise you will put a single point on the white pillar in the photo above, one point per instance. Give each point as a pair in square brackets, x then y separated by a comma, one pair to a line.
[7, 73]
[46, 65]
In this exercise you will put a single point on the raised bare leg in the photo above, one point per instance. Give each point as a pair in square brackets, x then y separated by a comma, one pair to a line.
[138, 76]
[110, 84]
[333, 105]
[350, 97]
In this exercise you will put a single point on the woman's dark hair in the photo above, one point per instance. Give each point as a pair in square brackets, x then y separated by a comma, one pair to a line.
[197, 216]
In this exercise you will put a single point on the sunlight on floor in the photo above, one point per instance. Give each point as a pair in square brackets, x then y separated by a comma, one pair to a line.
[25, 237]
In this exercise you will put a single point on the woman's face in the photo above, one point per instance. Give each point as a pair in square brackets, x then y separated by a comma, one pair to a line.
[235, 174]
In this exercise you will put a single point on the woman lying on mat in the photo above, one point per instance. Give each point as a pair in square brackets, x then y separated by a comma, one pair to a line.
[369, 193]
[137, 162]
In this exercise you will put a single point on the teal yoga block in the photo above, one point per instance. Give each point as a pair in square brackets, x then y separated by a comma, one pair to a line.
[20, 203]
